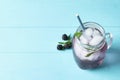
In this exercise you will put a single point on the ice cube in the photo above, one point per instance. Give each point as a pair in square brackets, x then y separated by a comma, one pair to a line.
[96, 40]
[87, 37]
[96, 32]
[88, 32]
[83, 39]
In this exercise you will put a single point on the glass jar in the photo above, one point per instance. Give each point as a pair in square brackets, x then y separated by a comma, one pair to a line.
[88, 55]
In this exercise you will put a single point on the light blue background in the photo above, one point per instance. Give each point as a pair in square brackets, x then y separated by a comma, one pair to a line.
[30, 30]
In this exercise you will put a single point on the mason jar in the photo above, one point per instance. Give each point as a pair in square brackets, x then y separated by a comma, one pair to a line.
[90, 54]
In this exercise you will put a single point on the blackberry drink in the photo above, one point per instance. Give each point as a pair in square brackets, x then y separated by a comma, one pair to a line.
[90, 45]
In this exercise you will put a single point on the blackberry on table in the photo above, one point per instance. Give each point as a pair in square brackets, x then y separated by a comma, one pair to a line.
[65, 37]
[60, 47]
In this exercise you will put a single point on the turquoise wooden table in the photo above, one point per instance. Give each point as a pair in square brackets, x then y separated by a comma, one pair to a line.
[30, 30]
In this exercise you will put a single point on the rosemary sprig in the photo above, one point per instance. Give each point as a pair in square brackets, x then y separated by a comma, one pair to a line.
[78, 34]
[89, 54]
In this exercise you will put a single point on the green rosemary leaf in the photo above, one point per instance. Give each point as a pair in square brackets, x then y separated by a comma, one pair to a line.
[61, 42]
[88, 48]
[69, 37]
[68, 42]
[78, 34]
[89, 54]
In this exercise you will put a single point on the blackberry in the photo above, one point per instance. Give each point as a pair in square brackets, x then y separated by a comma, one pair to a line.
[60, 47]
[65, 37]
[68, 46]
